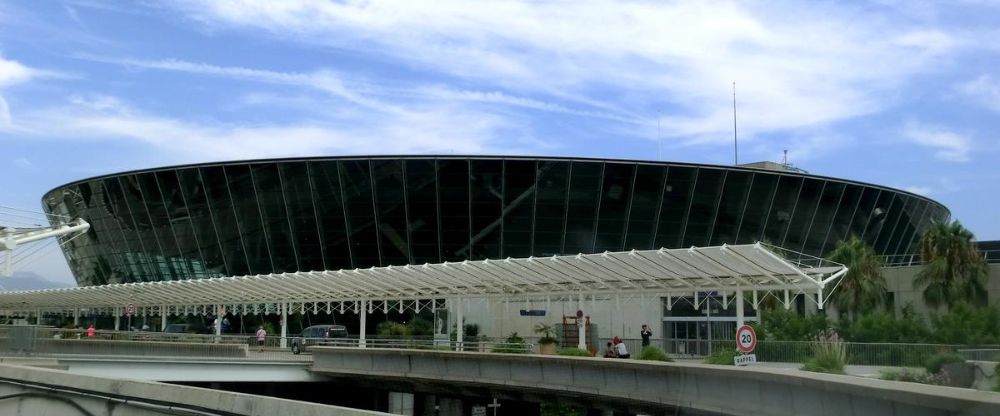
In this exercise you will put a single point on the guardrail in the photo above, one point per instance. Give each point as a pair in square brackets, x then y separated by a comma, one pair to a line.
[858, 353]
[905, 260]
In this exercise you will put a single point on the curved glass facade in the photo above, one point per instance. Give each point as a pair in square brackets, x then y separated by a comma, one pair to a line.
[255, 217]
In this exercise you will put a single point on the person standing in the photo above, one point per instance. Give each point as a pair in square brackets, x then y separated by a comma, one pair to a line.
[91, 331]
[261, 335]
[645, 333]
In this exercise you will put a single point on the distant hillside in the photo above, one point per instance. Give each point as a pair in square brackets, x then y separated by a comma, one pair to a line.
[28, 281]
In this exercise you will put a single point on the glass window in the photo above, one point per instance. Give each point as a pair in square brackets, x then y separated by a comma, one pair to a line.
[142, 233]
[453, 184]
[828, 206]
[274, 215]
[782, 208]
[248, 216]
[840, 227]
[199, 217]
[758, 205]
[294, 177]
[550, 208]
[865, 211]
[391, 203]
[421, 197]
[176, 212]
[220, 205]
[675, 206]
[704, 203]
[585, 189]
[907, 226]
[878, 217]
[646, 197]
[802, 214]
[519, 204]
[616, 196]
[357, 188]
[897, 210]
[325, 180]
[731, 206]
[487, 208]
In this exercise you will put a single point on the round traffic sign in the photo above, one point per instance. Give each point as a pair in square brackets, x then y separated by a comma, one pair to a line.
[746, 338]
[130, 309]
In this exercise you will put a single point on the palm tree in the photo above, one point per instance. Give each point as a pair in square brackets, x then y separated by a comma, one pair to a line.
[863, 287]
[954, 270]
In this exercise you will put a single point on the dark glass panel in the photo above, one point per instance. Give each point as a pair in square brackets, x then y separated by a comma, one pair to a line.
[646, 198]
[453, 178]
[829, 205]
[584, 194]
[152, 255]
[675, 206]
[862, 215]
[274, 216]
[302, 215]
[878, 217]
[357, 187]
[199, 215]
[840, 225]
[176, 212]
[616, 194]
[421, 197]
[802, 214]
[731, 206]
[705, 201]
[173, 262]
[248, 216]
[782, 208]
[550, 211]
[758, 205]
[391, 203]
[907, 228]
[129, 243]
[326, 179]
[487, 207]
[519, 202]
[220, 204]
[898, 213]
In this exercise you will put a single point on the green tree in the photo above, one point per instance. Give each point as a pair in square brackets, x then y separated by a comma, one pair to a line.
[863, 287]
[954, 270]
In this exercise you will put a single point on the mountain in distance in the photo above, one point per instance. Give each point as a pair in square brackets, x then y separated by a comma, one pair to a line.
[22, 280]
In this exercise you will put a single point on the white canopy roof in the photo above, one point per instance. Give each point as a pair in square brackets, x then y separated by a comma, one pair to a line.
[677, 272]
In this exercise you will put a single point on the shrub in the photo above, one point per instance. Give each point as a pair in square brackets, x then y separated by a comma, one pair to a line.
[939, 360]
[968, 325]
[788, 325]
[420, 326]
[651, 353]
[390, 328]
[545, 330]
[513, 345]
[574, 352]
[996, 370]
[722, 356]
[884, 327]
[914, 376]
[829, 354]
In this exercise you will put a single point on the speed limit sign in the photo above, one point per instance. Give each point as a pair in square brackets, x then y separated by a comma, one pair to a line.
[746, 339]
[130, 309]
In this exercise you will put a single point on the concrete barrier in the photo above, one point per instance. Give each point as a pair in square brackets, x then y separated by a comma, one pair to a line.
[45, 346]
[701, 387]
[43, 391]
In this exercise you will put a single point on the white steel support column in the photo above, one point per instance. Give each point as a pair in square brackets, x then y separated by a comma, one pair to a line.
[363, 317]
[581, 328]
[460, 325]
[739, 308]
[283, 342]
[218, 322]
[38, 316]
[163, 317]
[76, 317]
[118, 319]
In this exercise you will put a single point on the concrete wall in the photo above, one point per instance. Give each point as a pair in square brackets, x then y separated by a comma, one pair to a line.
[899, 281]
[53, 392]
[722, 389]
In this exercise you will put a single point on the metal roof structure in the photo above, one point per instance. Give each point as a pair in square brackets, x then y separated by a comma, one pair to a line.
[667, 272]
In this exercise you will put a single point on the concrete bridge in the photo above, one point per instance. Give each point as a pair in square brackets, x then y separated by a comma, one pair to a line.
[655, 385]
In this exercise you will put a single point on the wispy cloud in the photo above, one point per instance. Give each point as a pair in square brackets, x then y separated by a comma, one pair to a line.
[919, 190]
[984, 91]
[948, 145]
[807, 66]
[434, 130]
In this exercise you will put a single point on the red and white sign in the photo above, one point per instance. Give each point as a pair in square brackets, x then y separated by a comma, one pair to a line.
[746, 338]
[130, 309]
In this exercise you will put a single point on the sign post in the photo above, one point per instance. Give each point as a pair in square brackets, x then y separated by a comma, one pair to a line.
[746, 341]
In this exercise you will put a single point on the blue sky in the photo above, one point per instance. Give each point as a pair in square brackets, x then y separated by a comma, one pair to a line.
[899, 93]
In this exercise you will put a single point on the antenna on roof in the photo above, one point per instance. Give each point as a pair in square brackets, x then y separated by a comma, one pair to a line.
[784, 160]
[736, 158]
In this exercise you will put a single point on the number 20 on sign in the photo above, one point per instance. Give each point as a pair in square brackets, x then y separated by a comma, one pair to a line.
[746, 340]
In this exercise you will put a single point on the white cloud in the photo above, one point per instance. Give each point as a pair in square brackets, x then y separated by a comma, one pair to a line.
[12, 72]
[4, 113]
[421, 130]
[23, 163]
[948, 145]
[984, 90]
[919, 190]
[804, 67]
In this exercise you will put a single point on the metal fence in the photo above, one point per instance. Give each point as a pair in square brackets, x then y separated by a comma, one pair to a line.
[858, 353]
[905, 260]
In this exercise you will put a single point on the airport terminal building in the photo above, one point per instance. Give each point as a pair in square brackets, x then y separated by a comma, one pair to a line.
[333, 213]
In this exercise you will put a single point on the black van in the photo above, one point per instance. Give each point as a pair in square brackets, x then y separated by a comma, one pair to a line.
[317, 334]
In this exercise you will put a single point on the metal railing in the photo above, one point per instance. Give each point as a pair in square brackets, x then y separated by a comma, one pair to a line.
[905, 260]
[858, 353]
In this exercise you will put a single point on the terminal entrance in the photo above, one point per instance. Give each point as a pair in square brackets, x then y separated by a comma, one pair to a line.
[691, 331]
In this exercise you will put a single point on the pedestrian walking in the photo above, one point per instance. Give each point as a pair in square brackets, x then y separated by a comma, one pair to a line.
[261, 335]
[91, 331]
[645, 333]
